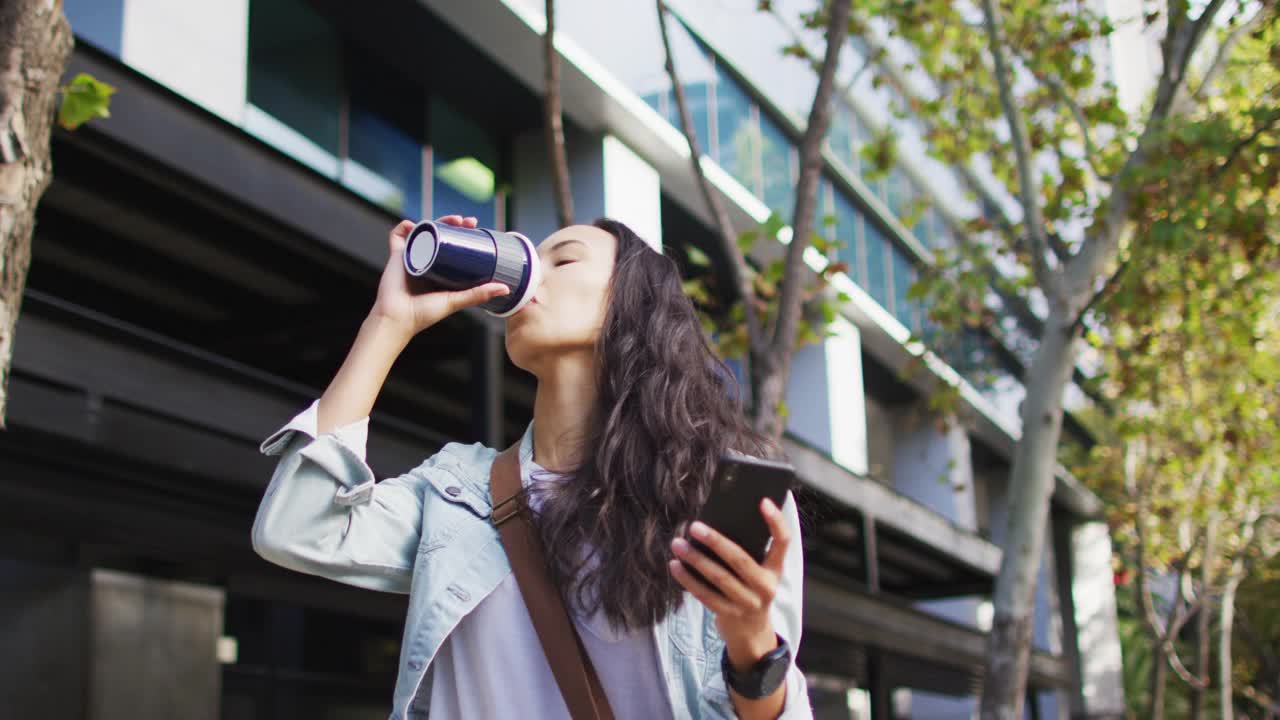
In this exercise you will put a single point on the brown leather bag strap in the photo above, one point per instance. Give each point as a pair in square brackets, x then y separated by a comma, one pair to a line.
[570, 665]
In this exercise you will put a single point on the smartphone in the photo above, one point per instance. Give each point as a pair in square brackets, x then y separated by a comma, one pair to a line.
[733, 507]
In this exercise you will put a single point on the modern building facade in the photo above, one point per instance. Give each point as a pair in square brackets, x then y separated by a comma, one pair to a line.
[205, 255]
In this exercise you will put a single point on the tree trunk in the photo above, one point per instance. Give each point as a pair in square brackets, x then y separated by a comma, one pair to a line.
[1030, 487]
[35, 41]
[1203, 618]
[553, 122]
[770, 389]
[1158, 682]
[1227, 624]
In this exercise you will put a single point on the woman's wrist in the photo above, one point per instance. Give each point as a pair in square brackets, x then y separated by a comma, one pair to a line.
[387, 330]
[746, 651]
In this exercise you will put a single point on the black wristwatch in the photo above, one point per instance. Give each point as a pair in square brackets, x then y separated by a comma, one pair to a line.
[761, 679]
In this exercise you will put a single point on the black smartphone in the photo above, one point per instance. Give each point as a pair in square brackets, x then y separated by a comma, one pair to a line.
[733, 508]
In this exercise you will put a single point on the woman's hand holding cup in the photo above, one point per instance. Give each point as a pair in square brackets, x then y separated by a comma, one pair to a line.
[410, 312]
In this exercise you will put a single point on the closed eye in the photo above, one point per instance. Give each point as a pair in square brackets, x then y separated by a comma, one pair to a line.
[564, 262]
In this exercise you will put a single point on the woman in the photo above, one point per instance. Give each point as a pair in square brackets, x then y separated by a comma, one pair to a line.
[632, 411]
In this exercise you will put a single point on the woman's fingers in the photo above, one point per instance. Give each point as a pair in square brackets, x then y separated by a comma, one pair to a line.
[479, 295]
[459, 221]
[781, 536]
[714, 601]
[717, 575]
[398, 235]
[742, 564]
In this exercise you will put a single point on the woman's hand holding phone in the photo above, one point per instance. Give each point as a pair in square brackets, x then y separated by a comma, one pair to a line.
[740, 596]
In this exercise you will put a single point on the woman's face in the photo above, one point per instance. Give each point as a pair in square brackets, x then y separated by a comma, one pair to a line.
[568, 307]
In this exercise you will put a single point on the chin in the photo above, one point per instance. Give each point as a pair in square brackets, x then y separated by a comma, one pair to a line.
[519, 348]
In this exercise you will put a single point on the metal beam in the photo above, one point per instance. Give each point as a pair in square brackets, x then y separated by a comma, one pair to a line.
[194, 394]
[871, 562]
[488, 415]
[880, 623]
[893, 510]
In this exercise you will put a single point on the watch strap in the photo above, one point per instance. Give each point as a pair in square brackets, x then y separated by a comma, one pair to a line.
[757, 681]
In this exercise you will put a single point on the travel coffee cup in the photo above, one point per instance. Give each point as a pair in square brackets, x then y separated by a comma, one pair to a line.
[457, 258]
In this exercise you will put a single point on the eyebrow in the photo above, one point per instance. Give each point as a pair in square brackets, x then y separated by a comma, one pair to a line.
[562, 243]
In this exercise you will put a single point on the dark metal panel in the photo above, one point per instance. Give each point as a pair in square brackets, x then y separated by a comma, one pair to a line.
[152, 120]
[219, 402]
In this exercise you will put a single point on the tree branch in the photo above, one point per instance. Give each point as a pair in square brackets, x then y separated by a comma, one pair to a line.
[1227, 45]
[1239, 147]
[1107, 287]
[1175, 662]
[788, 316]
[739, 273]
[1028, 185]
[1180, 43]
[553, 122]
[1077, 113]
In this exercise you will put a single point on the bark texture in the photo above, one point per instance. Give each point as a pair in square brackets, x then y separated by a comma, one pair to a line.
[35, 42]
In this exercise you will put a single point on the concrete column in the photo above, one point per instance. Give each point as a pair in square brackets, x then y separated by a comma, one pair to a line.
[606, 178]
[153, 649]
[933, 467]
[830, 704]
[825, 397]
[1098, 640]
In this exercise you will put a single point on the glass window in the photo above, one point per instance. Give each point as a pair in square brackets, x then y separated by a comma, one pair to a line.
[904, 276]
[779, 175]
[384, 140]
[698, 97]
[822, 208]
[849, 234]
[840, 136]
[878, 250]
[101, 22]
[895, 192]
[737, 132]
[295, 69]
[463, 160]
[941, 230]
[385, 164]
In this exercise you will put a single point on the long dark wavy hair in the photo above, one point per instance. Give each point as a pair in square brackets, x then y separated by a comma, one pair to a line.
[666, 408]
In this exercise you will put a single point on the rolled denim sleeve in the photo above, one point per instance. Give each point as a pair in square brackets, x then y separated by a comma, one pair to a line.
[786, 614]
[325, 514]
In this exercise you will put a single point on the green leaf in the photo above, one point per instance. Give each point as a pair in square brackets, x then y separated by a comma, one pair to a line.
[84, 99]
[697, 257]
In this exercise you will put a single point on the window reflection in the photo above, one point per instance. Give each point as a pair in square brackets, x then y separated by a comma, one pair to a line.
[463, 159]
[295, 70]
[778, 170]
[878, 250]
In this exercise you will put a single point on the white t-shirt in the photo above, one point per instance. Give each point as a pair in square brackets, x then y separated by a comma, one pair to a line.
[492, 664]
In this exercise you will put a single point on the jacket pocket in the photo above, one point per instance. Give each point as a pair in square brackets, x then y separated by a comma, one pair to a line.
[449, 504]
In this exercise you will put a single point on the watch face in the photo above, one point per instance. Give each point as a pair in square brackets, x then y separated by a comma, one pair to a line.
[775, 674]
[765, 677]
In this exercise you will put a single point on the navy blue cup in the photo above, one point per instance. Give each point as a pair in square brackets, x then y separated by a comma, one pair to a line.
[458, 258]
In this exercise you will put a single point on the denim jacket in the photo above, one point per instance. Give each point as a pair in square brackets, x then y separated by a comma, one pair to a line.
[427, 533]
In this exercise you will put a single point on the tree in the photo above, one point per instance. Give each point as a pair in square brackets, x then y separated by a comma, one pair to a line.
[1017, 82]
[1256, 670]
[35, 42]
[553, 122]
[767, 319]
[1190, 465]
